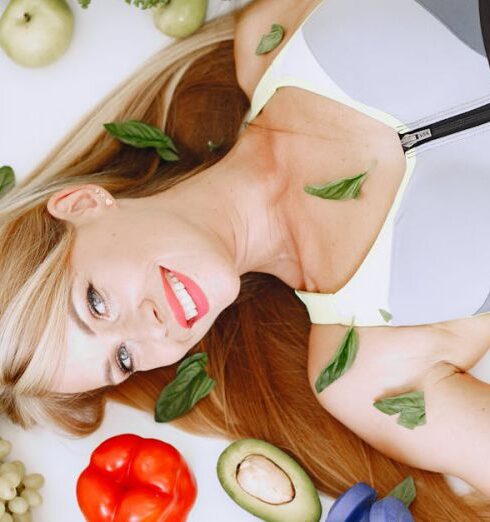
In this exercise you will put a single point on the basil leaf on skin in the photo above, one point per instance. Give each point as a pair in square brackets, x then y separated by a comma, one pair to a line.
[271, 40]
[340, 362]
[405, 491]
[141, 135]
[343, 188]
[411, 407]
[7, 178]
[190, 385]
[385, 315]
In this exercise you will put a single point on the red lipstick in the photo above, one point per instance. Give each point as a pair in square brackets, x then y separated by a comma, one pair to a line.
[193, 290]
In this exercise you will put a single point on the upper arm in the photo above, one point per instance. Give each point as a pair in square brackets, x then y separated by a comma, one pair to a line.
[254, 21]
[394, 360]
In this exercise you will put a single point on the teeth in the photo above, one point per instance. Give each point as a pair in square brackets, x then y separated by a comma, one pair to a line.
[186, 301]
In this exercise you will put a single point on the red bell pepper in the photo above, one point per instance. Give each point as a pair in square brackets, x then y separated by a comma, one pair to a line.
[134, 479]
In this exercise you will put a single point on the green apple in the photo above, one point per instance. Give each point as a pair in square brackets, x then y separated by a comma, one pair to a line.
[180, 18]
[35, 33]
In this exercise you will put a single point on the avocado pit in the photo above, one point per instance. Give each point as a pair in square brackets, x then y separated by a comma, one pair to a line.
[263, 479]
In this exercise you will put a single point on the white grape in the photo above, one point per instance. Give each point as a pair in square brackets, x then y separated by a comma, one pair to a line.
[25, 517]
[2, 508]
[12, 477]
[5, 447]
[33, 481]
[18, 505]
[7, 492]
[32, 497]
[5, 467]
[20, 467]
[6, 517]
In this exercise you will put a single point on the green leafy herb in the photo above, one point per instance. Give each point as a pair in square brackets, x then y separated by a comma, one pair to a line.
[7, 178]
[341, 361]
[271, 40]
[343, 188]
[141, 135]
[143, 4]
[213, 146]
[190, 385]
[411, 407]
[405, 491]
[385, 315]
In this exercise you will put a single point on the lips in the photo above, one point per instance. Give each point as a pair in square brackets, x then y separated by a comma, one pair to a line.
[194, 291]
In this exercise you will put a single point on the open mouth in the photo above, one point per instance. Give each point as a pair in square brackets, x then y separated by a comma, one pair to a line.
[185, 297]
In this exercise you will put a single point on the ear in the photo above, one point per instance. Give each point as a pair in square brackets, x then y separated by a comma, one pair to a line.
[79, 203]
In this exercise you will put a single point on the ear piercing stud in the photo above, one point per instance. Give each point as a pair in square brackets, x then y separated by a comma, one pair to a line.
[100, 193]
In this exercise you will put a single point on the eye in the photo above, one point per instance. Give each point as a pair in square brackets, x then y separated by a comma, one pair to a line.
[124, 360]
[95, 303]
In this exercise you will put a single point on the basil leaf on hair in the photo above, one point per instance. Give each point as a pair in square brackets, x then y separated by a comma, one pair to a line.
[405, 491]
[190, 385]
[343, 188]
[7, 178]
[141, 135]
[411, 407]
[340, 362]
[271, 40]
[385, 315]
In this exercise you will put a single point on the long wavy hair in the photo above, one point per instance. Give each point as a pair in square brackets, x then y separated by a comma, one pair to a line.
[257, 347]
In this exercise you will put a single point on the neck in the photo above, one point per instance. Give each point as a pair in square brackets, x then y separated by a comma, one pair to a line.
[242, 202]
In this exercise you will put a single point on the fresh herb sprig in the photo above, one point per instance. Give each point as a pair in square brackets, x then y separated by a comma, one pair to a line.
[410, 406]
[141, 135]
[340, 362]
[143, 4]
[343, 188]
[7, 179]
[405, 491]
[190, 385]
[271, 40]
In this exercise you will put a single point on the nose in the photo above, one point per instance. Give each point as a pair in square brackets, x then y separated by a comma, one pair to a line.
[149, 319]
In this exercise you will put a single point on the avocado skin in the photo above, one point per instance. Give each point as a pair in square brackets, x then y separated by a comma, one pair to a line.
[306, 505]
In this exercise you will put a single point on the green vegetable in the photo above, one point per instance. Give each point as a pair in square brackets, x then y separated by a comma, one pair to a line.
[213, 146]
[385, 315]
[142, 135]
[411, 407]
[271, 40]
[343, 188]
[341, 361]
[7, 178]
[405, 491]
[143, 4]
[190, 385]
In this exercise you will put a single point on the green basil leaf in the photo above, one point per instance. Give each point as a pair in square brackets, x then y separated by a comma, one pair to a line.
[385, 315]
[7, 178]
[190, 385]
[140, 134]
[343, 188]
[200, 358]
[405, 491]
[214, 146]
[411, 407]
[340, 362]
[167, 154]
[271, 40]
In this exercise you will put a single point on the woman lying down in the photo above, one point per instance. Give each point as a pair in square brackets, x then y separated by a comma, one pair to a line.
[329, 254]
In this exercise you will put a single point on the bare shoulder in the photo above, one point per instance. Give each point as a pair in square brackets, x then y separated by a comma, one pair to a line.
[255, 19]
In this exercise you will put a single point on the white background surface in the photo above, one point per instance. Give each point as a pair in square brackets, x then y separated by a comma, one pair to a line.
[37, 108]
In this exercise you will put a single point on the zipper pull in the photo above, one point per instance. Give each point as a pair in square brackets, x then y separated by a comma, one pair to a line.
[408, 140]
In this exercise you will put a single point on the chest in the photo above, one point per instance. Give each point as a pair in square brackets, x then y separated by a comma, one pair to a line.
[318, 140]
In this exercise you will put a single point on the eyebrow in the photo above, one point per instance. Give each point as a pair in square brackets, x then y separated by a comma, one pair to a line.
[109, 379]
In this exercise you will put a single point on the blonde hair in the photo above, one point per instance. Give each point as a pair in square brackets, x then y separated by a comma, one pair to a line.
[258, 344]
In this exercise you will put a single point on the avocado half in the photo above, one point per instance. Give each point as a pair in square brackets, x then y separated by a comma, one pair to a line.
[268, 483]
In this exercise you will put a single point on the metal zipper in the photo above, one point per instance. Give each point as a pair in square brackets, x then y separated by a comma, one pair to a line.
[442, 128]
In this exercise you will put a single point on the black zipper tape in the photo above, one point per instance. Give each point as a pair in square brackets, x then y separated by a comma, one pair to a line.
[442, 128]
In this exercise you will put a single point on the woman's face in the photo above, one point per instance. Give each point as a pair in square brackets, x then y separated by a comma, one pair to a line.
[126, 311]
